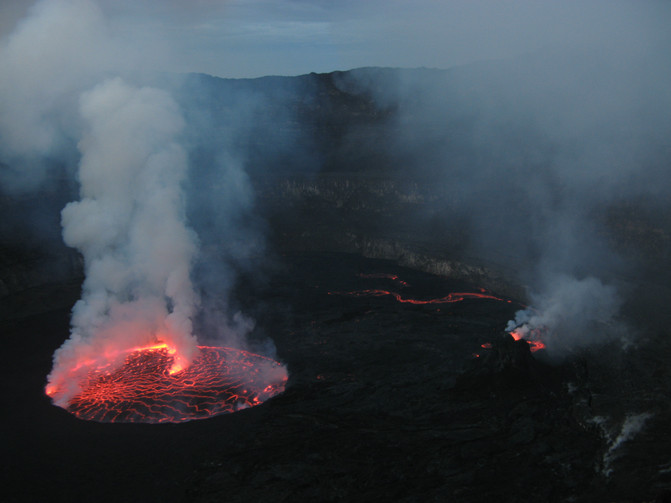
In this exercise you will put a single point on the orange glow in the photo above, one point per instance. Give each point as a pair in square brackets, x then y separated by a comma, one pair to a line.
[147, 386]
[178, 363]
[534, 344]
[450, 297]
[176, 367]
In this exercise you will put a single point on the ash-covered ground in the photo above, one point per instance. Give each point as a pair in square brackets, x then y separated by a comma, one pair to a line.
[385, 402]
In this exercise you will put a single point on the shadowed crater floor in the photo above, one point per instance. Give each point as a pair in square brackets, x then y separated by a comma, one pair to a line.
[386, 401]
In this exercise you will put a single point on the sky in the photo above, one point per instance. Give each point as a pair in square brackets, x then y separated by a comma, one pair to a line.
[252, 38]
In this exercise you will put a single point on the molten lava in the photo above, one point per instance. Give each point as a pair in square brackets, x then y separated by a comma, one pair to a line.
[533, 338]
[534, 343]
[146, 388]
[450, 297]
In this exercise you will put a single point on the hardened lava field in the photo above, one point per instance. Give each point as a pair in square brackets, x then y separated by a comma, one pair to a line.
[142, 390]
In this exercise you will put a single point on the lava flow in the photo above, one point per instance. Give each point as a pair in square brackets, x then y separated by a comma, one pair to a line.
[533, 339]
[450, 297]
[143, 389]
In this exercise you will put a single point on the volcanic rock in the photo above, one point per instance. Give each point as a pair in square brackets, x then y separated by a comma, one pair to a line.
[505, 364]
[385, 400]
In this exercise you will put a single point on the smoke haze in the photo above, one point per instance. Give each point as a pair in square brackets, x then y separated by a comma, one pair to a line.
[570, 313]
[556, 114]
[61, 49]
[72, 95]
[129, 226]
[532, 153]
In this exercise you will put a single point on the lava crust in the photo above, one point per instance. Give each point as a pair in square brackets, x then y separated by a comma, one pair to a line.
[219, 381]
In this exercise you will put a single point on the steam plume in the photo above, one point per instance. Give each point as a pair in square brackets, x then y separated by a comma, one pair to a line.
[69, 97]
[129, 226]
[54, 54]
[531, 154]
[569, 313]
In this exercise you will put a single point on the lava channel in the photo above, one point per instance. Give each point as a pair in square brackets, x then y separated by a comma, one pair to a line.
[447, 299]
[142, 390]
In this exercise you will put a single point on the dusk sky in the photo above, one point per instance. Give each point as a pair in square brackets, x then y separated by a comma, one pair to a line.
[250, 38]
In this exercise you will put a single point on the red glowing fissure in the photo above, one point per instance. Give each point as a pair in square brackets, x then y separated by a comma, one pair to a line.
[535, 344]
[450, 297]
[146, 389]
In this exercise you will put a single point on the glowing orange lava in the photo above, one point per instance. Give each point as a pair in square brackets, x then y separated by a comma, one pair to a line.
[534, 345]
[450, 297]
[146, 388]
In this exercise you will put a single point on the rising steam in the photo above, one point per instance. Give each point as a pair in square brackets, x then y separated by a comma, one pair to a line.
[528, 151]
[61, 49]
[69, 97]
[130, 227]
[531, 154]
[569, 313]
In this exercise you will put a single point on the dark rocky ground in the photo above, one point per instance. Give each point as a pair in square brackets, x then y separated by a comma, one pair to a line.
[385, 400]
[385, 403]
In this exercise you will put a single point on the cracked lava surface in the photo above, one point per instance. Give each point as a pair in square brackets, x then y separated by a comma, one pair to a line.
[142, 389]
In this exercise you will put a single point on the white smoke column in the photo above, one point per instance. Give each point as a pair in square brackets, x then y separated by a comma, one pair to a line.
[130, 227]
[569, 313]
